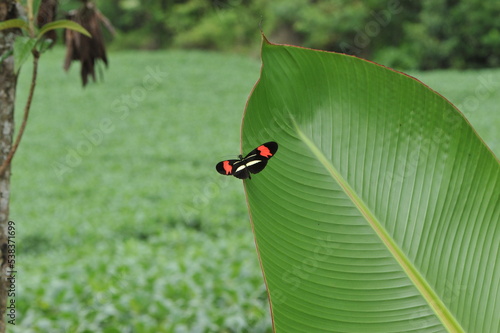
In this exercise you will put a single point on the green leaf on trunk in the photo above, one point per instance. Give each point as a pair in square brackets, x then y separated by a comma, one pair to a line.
[63, 24]
[22, 49]
[14, 23]
[380, 211]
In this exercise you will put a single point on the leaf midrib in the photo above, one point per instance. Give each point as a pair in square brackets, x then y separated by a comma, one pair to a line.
[434, 301]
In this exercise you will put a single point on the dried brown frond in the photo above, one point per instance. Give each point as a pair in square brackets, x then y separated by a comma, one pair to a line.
[82, 48]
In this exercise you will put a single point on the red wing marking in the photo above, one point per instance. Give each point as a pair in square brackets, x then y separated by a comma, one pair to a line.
[264, 151]
[227, 167]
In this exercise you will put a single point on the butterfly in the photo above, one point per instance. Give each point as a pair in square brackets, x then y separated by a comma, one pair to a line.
[254, 162]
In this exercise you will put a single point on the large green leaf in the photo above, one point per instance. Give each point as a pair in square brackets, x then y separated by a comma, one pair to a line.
[380, 211]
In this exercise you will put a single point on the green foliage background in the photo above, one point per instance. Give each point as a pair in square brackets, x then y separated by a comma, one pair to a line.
[139, 234]
[425, 34]
[142, 234]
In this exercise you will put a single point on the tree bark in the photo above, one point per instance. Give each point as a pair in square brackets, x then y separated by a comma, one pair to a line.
[8, 80]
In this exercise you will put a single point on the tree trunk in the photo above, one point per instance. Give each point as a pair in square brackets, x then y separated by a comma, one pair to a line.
[8, 80]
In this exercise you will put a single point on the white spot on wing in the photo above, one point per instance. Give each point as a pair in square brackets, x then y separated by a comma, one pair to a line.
[253, 162]
[241, 167]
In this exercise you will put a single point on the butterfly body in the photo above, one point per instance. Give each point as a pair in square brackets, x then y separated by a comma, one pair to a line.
[254, 162]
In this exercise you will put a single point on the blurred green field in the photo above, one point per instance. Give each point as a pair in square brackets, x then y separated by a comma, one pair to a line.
[123, 225]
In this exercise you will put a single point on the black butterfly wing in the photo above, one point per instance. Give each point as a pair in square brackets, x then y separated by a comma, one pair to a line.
[257, 159]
